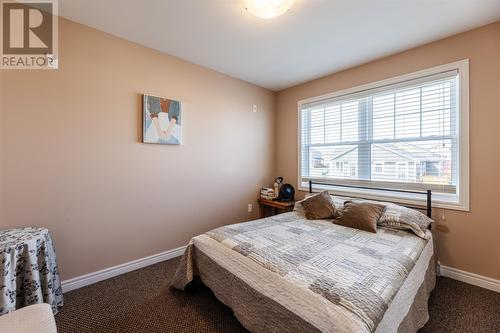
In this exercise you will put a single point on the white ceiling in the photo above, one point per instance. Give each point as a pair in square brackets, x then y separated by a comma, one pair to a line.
[315, 38]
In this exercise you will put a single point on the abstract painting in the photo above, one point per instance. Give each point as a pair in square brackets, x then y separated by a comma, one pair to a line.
[162, 119]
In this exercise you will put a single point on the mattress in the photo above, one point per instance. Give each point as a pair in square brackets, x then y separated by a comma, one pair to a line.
[287, 273]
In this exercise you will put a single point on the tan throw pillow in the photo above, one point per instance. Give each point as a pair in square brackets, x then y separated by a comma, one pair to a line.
[319, 206]
[362, 216]
[403, 218]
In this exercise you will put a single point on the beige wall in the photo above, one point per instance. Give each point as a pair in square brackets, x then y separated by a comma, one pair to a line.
[71, 157]
[468, 241]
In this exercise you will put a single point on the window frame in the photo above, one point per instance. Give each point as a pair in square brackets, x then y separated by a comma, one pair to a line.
[458, 201]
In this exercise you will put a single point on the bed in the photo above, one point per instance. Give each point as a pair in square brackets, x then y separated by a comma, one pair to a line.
[286, 273]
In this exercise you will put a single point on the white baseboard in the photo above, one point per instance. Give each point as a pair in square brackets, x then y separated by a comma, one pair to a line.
[470, 278]
[107, 273]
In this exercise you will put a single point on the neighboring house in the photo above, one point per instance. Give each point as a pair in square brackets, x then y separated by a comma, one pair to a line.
[390, 162]
[408, 163]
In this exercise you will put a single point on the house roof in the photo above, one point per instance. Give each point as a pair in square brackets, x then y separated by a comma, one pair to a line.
[407, 150]
[402, 149]
[343, 153]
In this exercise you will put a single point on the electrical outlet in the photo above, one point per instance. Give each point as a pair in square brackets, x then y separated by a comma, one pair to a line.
[250, 208]
[254, 108]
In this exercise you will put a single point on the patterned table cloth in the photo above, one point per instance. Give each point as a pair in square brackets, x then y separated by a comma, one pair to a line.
[28, 273]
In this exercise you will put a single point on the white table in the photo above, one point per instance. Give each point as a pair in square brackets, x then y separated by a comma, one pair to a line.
[28, 271]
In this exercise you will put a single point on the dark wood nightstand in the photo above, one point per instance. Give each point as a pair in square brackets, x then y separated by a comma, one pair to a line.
[277, 206]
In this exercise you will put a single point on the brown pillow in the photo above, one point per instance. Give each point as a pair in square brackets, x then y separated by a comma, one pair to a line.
[362, 216]
[319, 206]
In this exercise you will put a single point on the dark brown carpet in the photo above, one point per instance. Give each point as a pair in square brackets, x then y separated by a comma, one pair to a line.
[141, 301]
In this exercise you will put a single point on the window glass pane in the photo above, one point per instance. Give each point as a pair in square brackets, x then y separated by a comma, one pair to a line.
[383, 116]
[317, 134]
[383, 106]
[332, 133]
[334, 162]
[349, 121]
[349, 131]
[349, 111]
[408, 125]
[407, 101]
[316, 115]
[332, 114]
[424, 162]
[383, 128]
[436, 97]
[436, 123]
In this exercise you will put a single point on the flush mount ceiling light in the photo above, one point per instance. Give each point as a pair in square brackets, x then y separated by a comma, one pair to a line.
[268, 9]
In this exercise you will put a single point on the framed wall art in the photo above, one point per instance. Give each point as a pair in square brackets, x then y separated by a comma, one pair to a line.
[162, 120]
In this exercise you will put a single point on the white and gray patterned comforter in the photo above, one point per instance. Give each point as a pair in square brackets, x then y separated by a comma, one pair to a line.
[357, 270]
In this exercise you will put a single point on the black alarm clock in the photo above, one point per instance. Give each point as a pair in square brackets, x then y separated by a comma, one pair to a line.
[287, 193]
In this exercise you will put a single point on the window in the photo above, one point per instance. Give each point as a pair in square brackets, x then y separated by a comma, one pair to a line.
[409, 132]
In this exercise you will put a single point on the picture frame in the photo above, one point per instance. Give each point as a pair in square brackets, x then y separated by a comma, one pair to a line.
[162, 120]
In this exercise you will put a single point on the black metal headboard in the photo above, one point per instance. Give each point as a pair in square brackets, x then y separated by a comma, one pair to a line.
[427, 193]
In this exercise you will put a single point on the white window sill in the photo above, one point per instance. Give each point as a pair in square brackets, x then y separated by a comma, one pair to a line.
[439, 200]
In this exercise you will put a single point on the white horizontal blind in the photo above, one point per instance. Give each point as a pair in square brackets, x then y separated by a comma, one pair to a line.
[398, 136]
